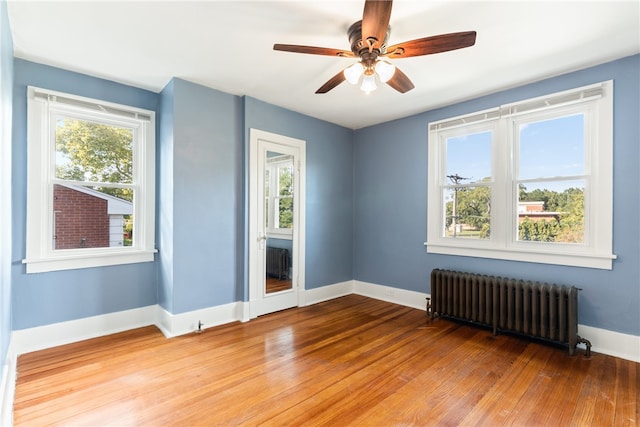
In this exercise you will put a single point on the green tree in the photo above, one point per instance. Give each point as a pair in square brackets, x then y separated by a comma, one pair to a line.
[538, 231]
[572, 221]
[285, 186]
[550, 198]
[472, 208]
[569, 225]
[95, 152]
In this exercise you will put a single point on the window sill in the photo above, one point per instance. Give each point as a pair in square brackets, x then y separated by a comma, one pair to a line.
[98, 259]
[603, 262]
[280, 235]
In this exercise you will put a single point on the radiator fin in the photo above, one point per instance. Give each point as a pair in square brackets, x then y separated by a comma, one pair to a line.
[277, 263]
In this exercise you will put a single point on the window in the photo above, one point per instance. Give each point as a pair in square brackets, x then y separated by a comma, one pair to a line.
[279, 195]
[529, 181]
[90, 185]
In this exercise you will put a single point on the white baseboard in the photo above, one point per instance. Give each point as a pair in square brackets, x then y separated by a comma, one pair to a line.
[8, 390]
[329, 292]
[404, 297]
[5, 396]
[55, 334]
[612, 343]
[244, 311]
[173, 325]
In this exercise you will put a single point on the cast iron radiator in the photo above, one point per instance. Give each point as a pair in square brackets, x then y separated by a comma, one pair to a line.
[278, 263]
[547, 312]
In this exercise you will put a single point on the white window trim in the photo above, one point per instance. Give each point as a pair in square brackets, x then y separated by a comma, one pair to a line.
[40, 256]
[597, 251]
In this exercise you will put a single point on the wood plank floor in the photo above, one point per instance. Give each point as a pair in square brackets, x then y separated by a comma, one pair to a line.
[349, 361]
[273, 284]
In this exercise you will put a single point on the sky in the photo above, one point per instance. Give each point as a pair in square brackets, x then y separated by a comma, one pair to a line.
[545, 149]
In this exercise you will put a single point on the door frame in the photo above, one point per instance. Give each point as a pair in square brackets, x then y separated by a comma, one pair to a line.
[257, 255]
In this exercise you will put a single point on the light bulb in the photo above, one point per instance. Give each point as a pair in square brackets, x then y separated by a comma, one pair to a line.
[369, 83]
[353, 73]
[385, 70]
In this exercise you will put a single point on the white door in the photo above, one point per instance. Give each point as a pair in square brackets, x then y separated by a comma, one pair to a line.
[276, 222]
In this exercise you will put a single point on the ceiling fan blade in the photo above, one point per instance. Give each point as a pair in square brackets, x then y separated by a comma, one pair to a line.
[313, 50]
[375, 22]
[332, 82]
[400, 82]
[434, 44]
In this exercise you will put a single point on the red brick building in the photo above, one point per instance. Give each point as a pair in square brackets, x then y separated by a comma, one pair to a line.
[86, 218]
[535, 212]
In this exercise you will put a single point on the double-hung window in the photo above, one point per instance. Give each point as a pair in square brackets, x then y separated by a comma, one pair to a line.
[90, 184]
[529, 181]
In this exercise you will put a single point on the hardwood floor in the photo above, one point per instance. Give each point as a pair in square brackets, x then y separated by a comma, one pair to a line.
[349, 361]
[273, 284]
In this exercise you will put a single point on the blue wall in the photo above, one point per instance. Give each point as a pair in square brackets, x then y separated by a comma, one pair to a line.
[164, 201]
[390, 173]
[200, 196]
[6, 98]
[329, 189]
[44, 298]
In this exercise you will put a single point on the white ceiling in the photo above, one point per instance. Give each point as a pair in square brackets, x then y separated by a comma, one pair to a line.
[227, 45]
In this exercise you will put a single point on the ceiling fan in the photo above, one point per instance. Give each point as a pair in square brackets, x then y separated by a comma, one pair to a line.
[368, 39]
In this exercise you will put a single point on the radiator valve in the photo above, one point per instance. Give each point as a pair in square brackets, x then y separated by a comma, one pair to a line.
[587, 343]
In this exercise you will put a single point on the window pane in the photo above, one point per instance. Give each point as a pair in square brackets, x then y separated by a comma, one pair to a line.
[552, 148]
[467, 212]
[96, 152]
[284, 212]
[91, 217]
[469, 158]
[551, 212]
[285, 181]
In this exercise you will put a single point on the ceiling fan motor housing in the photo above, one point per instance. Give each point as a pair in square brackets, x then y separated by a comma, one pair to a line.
[359, 47]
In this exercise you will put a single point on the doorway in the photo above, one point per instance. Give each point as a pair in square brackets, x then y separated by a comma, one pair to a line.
[276, 222]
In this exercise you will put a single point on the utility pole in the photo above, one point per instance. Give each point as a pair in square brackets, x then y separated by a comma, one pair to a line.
[455, 179]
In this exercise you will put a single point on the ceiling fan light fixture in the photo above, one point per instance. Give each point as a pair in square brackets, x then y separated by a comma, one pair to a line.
[385, 70]
[369, 83]
[352, 73]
